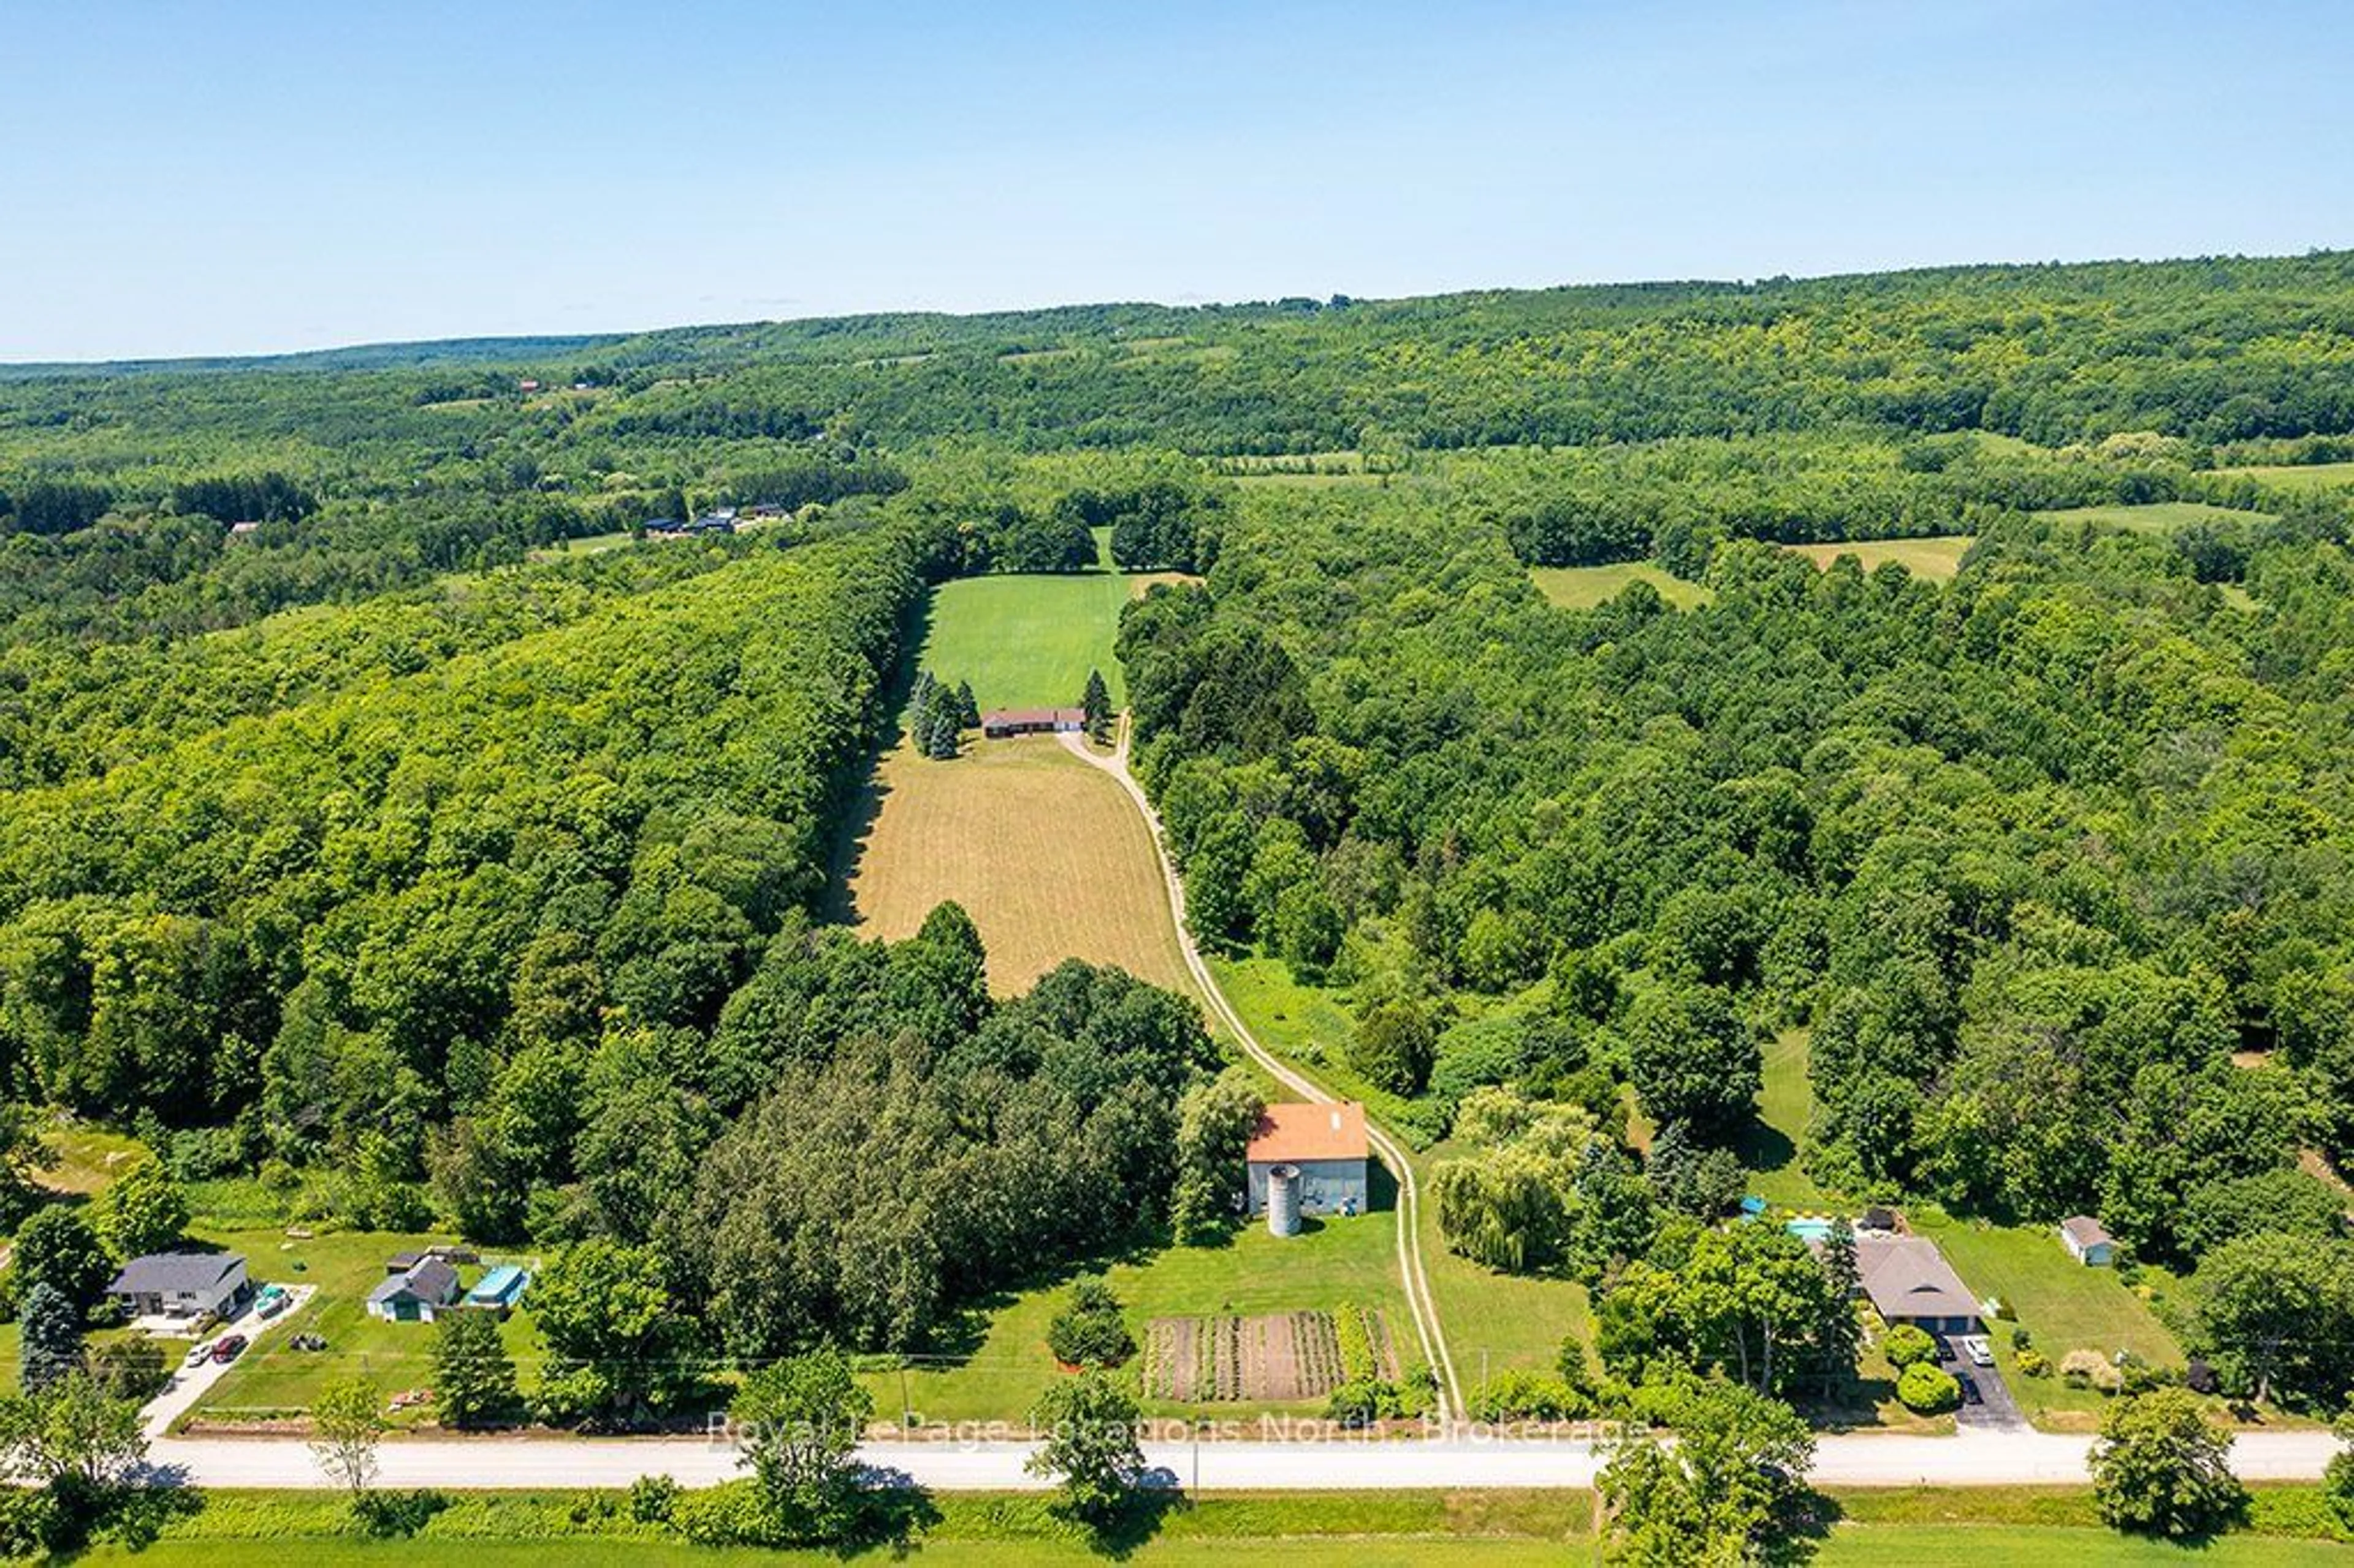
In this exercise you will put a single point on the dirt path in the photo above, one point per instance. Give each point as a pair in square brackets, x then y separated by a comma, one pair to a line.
[1426, 1326]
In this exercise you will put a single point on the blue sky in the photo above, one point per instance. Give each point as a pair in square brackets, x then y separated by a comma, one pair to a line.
[188, 178]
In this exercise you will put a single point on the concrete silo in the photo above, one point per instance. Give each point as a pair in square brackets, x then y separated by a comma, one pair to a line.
[1283, 1200]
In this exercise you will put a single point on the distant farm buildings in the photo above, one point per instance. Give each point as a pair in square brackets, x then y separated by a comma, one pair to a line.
[1309, 1159]
[999, 723]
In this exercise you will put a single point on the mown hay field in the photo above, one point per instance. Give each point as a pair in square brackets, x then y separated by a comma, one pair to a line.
[1935, 559]
[1583, 587]
[1046, 853]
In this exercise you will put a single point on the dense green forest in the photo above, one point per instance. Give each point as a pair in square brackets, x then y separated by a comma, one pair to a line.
[366, 831]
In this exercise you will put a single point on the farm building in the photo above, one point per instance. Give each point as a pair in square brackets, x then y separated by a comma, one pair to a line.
[1327, 1145]
[1909, 1281]
[2088, 1241]
[416, 1295]
[999, 723]
[180, 1284]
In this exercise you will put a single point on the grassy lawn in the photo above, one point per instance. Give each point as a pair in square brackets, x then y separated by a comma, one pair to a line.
[1774, 1147]
[2063, 1304]
[1583, 587]
[1027, 641]
[595, 544]
[1497, 1322]
[1046, 855]
[1332, 1262]
[2299, 476]
[1937, 559]
[273, 1378]
[1983, 1526]
[1514, 1321]
[2156, 517]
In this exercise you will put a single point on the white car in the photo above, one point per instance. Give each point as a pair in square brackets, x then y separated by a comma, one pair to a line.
[1981, 1354]
[198, 1355]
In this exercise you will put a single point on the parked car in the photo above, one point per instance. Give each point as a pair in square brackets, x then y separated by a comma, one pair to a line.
[198, 1354]
[1944, 1347]
[1981, 1354]
[1971, 1394]
[228, 1347]
[272, 1300]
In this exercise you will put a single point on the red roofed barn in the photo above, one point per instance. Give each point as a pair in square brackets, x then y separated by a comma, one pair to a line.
[1326, 1142]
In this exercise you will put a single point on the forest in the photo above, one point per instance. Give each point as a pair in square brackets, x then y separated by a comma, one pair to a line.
[386, 820]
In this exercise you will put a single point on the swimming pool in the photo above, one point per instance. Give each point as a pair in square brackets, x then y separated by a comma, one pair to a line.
[1811, 1228]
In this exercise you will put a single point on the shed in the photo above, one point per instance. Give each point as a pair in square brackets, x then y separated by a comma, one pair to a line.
[180, 1284]
[1909, 1281]
[2088, 1241]
[1327, 1142]
[415, 1296]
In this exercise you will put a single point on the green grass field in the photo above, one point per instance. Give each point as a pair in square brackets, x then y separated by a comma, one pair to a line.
[2157, 517]
[1935, 559]
[1775, 1147]
[273, 1378]
[2056, 1525]
[2299, 476]
[1026, 641]
[1334, 1263]
[1583, 587]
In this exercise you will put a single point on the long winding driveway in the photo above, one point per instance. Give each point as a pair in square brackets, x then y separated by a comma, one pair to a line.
[1428, 1328]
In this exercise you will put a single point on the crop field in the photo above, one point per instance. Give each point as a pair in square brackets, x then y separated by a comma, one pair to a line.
[1027, 641]
[1583, 587]
[2157, 517]
[1267, 1358]
[1936, 559]
[1141, 583]
[2299, 476]
[1045, 852]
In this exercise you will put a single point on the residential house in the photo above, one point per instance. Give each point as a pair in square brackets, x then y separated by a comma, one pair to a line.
[415, 1296]
[999, 723]
[181, 1284]
[1908, 1280]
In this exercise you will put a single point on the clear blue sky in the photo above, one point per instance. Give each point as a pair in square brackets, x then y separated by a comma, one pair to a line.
[251, 176]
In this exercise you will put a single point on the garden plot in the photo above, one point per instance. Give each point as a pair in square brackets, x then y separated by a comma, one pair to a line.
[1273, 1358]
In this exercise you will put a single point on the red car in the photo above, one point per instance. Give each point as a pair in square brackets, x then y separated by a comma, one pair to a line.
[228, 1347]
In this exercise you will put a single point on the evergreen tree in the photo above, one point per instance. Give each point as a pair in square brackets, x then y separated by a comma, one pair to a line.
[474, 1380]
[967, 711]
[1096, 705]
[941, 741]
[920, 701]
[51, 1343]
